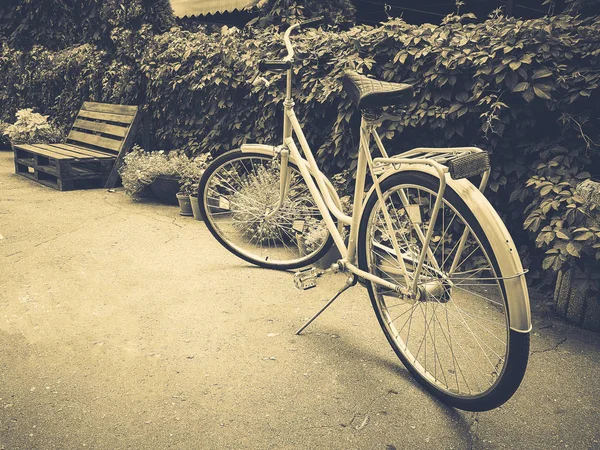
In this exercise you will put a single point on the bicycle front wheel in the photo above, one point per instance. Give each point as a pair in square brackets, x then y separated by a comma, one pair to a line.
[240, 191]
[455, 336]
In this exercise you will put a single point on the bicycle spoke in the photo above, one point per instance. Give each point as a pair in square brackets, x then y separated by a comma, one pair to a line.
[245, 192]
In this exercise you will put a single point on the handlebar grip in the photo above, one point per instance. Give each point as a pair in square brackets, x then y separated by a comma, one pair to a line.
[312, 22]
[273, 64]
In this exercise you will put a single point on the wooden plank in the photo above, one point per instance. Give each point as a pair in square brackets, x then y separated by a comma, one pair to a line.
[80, 173]
[41, 151]
[59, 151]
[105, 128]
[15, 159]
[65, 152]
[47, 183]
[98, 141]
[99, 154]
[111, 181]
[117, 118]
[110, 108]
[67, 172]
[47, 169]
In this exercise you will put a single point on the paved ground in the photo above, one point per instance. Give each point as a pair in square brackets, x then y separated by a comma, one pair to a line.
[125, 325]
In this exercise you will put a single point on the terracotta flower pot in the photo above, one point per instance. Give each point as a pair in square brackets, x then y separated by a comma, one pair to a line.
[195, 207]
[185, 207]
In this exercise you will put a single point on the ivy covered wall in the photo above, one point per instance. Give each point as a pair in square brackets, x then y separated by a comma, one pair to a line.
[527, 91]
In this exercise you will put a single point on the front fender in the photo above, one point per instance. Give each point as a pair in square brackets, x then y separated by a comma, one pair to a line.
[499, 238]
[268, 150]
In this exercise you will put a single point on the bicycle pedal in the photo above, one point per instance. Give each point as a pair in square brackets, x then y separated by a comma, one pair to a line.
[307, 278]
[469, 165]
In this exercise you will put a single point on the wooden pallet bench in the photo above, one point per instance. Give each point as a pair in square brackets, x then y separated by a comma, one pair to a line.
[90, 158]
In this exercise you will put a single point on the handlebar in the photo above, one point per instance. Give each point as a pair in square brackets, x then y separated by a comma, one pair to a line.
[274, 64]
[286, 63]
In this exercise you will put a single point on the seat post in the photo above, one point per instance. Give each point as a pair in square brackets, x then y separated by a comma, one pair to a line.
[366, 127]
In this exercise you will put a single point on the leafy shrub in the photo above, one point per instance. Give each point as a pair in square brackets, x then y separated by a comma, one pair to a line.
[192, 172]
[140, 168]
[31, 128]
[563, 222]
[280, 12]
[59, 24]
[313, 235]
[519, 89]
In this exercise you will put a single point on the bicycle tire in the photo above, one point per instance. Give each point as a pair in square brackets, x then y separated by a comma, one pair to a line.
[464, 320]
[245, 197]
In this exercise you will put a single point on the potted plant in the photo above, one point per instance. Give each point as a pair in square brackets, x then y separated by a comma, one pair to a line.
[185, 205]
[154, 172]
[190, 179]
[31, 128]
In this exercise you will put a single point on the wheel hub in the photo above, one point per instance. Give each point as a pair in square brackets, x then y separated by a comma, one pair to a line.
[435, 291]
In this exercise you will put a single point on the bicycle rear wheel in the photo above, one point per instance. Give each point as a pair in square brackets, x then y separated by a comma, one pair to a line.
[455, 338]
[239, 189]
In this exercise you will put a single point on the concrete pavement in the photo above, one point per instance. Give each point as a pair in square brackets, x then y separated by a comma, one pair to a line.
[125, 325]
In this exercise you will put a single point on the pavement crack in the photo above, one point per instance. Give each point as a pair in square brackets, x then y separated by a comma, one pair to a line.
[106, 215]
[551, 349]
[111, 204]
[317, 427]
[50, 240]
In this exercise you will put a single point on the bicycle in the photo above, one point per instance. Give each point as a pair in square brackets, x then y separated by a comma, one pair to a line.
[441, 269]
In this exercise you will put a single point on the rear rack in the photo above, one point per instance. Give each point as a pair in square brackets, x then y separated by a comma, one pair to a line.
[461, 162]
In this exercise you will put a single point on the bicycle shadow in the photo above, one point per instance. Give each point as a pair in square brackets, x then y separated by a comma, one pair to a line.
[343, 349]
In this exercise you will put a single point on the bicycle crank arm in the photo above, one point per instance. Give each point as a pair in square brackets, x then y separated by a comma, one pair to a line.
[307, 278]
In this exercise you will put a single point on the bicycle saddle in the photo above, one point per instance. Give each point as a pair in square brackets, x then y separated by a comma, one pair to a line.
[369, 93]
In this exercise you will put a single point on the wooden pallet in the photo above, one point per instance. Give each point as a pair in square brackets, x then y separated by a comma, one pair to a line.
[99, 139]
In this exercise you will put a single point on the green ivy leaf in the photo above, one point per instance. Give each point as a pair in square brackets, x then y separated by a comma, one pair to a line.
[548, 262]
[528, 95]
[540, 92]
[541, 73]
[522, 86]
[573, 249]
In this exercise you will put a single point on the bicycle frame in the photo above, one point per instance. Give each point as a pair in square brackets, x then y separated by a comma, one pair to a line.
[423, 159]
[329, 207]
[328, 201]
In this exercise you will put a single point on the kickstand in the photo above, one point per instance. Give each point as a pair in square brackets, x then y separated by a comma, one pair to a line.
[351, 281]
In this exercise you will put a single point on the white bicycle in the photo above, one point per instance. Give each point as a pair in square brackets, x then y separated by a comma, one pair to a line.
[442, 271]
